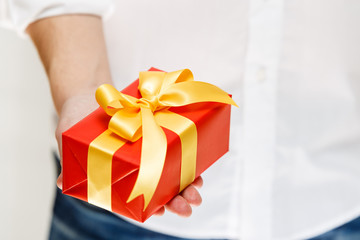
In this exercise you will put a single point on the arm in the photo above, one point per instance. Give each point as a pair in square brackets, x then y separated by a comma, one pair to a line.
[72, 49]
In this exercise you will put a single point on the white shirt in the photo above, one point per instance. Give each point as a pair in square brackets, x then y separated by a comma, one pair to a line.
[293, 169]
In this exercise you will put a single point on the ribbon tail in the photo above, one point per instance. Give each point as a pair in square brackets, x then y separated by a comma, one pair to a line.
[153, 155]
[187, 132]
[189, 92]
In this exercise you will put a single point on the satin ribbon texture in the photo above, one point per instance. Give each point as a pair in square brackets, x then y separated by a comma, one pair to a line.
[134, 118]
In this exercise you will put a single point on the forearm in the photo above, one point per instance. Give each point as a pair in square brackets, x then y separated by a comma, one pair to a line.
[72, 49]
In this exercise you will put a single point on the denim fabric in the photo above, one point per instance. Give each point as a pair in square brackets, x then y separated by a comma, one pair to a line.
[348, 231]
[77, 220]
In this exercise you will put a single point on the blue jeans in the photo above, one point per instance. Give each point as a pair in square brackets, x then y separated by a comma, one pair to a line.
[77, 220]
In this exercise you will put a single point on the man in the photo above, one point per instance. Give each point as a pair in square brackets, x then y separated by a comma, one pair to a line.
[293, 168]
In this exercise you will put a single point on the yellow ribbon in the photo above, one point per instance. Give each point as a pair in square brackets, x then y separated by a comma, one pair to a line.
[134, 118]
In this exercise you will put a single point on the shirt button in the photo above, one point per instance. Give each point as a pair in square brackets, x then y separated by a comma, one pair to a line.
[261, 75]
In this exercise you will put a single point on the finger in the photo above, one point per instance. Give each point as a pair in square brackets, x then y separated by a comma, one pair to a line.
[60, 181]
[179, 206]
[191, 195]
[160, 212]
[198, 182]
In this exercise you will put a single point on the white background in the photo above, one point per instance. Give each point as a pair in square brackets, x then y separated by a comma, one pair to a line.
[27, 171]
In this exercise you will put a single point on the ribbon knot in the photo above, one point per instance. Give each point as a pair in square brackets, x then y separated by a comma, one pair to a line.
[152, 104]
[134, 118]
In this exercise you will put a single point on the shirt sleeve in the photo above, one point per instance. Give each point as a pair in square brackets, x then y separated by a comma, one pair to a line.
[18, 14]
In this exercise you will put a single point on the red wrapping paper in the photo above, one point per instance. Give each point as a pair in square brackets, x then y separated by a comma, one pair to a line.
[213, 126]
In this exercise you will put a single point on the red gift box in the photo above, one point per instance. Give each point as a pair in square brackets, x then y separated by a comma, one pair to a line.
[212, 122]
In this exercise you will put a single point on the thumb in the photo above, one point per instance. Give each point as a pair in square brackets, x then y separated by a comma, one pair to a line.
[59, 181]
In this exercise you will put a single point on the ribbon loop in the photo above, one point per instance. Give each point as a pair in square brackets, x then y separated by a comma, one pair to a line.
[150, 83]
[111, 100]
[126, 124]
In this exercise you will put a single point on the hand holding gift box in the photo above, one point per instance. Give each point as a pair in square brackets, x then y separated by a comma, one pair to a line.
[144, 146]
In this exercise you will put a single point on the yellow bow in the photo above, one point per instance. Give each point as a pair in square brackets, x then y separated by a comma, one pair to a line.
[134, 118]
